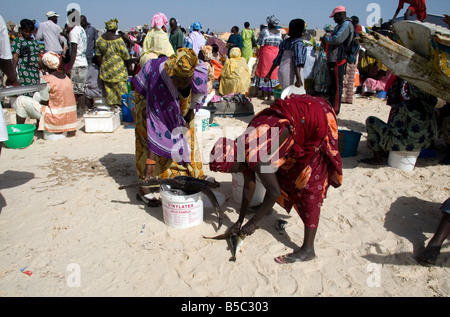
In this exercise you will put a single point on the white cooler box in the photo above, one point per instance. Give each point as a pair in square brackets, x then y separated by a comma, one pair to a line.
[102, 122]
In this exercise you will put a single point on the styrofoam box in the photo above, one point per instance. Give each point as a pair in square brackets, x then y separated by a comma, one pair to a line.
[102, 122]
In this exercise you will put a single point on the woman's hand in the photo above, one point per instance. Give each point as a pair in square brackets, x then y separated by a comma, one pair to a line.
[267, 78]
[235, 229]
[249, 228]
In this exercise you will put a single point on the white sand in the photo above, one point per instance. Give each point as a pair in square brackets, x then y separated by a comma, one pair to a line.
[66, 221]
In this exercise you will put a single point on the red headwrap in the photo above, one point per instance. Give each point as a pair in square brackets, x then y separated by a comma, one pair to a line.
[223, 155]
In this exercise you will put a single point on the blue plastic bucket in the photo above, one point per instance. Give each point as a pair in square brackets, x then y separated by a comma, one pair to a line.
[348, 142]
[382, 94]
[126, 112]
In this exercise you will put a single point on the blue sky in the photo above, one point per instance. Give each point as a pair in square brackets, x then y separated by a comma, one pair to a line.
[217, 15]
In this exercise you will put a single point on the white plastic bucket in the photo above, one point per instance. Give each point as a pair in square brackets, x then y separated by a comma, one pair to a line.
[202, 120]
[238, 190]
[54, 136]
[403, 160]
[182, 212]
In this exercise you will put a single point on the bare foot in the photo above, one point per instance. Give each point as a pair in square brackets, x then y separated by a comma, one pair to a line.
[300, 256]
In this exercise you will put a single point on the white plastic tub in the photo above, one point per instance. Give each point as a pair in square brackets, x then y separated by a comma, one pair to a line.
[402, 160]
[182, 212]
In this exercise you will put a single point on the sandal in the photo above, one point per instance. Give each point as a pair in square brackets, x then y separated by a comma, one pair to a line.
[152, 203]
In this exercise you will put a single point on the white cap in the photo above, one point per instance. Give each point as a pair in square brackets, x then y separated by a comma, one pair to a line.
[52, 14]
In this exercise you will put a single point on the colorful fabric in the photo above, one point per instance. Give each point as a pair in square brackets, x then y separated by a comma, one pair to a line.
[223, 155]
[235, 76]
[165, 114]
[61, 113]
[159, 20]
[196, 26]
[412, 123]
[207, 55]
[267, 54]
[112, 25]
[418, 7]
[247, 43]
[113, 71]
[306, 164]
[298, 49]
[197, 40]
[156, 43]
[215, 40]
[28, 62]
[182, 64]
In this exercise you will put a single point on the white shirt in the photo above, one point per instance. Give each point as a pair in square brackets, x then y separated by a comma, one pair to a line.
[78, 36]
[50, 33]
[5, 53]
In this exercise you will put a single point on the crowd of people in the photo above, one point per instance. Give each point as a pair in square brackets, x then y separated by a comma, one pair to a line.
[173, 72]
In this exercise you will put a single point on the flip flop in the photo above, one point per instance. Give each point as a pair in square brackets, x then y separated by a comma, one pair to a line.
[152, 203]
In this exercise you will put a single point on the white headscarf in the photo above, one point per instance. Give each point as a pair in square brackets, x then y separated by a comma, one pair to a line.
[51, 60]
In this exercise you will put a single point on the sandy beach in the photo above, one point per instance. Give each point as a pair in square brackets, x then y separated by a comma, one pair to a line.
[65, 222]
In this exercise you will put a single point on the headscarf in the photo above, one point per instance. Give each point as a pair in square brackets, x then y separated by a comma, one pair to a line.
[235, 52]
[207, 52]
[296, 28]
[223, 155]
[196, 26]
[51, 60]
[159, 20]
[183, 63]
[111, 24]
[272, 20]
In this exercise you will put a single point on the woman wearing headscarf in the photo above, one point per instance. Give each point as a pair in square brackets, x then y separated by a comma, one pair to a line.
[293, 148]
[269, 40]
[26, 55]
[169, 90]
[55, 106]
[156, 42]
[113, 58]
[291, 58]
[196, 39]
[235, 76]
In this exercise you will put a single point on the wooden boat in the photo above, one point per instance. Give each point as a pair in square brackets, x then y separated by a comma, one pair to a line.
[420, 56]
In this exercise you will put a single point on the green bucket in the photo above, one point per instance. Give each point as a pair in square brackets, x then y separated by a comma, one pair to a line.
[277, 93]
[20, 136]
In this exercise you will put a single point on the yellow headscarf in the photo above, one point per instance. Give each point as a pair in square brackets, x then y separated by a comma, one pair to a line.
[183, 63]
[112, 24]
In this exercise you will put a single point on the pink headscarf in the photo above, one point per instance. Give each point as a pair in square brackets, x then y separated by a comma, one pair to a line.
[159, 20]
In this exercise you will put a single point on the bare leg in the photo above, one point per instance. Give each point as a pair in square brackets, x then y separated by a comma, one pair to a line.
[433, 249]
[305, 253]
[20, 120]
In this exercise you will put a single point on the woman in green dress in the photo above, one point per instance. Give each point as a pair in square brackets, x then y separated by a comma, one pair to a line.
[249, 37]
[26, 55]
[114, 60]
